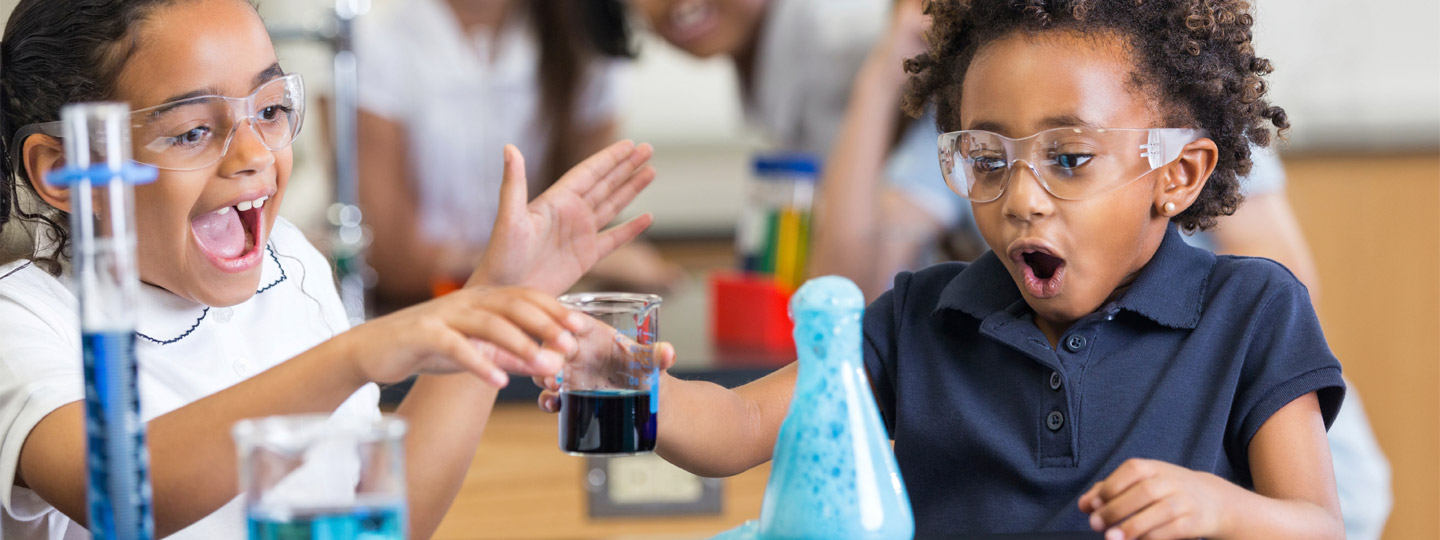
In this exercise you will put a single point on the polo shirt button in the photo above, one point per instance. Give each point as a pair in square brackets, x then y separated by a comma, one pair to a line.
[1075, 343]
[1055, 420]
[224, 314]
[242, 368]
[1055, 380]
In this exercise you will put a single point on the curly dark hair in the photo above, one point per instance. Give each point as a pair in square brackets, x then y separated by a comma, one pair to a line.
[56, 52]
[1195, 56]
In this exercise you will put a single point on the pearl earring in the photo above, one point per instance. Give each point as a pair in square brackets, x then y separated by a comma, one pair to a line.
[1169, 208]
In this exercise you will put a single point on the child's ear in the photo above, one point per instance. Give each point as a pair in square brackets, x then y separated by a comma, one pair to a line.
[1185, 177]
[40, 155]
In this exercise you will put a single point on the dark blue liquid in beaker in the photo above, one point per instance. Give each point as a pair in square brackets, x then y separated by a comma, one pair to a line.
[606, 422]
[119, 502]
[360, 522]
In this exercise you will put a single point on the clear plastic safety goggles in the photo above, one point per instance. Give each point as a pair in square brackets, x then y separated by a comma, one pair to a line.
[1070, 163]
[194, 133]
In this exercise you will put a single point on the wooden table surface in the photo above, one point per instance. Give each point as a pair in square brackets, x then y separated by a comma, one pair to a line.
[521, 486]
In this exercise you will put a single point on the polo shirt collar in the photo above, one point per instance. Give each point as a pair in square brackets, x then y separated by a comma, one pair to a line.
[1170, 289]
[165, 318]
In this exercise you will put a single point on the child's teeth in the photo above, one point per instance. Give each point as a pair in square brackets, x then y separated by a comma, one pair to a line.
[260, 202]
[222, 211]
[244, 206]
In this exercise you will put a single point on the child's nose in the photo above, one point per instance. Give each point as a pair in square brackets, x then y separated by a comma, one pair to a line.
[247, 153]
[1025, 198]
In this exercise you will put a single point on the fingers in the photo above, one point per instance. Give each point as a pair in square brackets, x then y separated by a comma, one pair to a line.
[1089, 501]
[1140, 495]
[507, 361]
[619, 235]
[550, 401]
[472, 358]
[583, 177]
[622, 173]
[548, 382]
[513, 185]
[1177, 528]
[1148, 523]
[665, 355]
[512, 321]
[608, 204]
[1129, 473]
[500, 331]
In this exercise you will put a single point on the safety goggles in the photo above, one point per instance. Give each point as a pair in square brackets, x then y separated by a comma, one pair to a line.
[1070, 163]
[194, 133]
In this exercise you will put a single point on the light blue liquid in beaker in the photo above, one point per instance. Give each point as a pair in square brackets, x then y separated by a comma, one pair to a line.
[379, 521]
[834, 473]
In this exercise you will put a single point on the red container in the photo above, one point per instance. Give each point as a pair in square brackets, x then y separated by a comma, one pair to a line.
[750, 320]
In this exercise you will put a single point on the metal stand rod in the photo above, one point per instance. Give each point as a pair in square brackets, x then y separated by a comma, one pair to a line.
[349, 238]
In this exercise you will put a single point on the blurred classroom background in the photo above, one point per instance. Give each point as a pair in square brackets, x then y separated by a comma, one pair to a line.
[1361, 83]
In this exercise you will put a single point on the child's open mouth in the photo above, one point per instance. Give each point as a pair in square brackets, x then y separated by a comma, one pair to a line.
[1044, 272]
[230, 236]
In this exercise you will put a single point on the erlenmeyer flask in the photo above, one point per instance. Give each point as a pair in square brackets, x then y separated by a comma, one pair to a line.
[834, 473]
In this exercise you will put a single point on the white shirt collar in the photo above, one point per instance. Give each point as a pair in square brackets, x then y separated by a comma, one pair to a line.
[166, 318]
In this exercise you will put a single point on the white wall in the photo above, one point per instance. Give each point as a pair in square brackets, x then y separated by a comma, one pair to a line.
[1354, 73]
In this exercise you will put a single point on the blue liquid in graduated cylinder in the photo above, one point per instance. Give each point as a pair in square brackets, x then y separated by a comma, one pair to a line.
[118, 467]
[360, 522]
[834, 474]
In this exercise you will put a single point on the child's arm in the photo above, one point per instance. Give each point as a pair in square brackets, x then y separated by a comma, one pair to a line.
[1294, 493]
[713, 431]
[193, 466]
[708, 429]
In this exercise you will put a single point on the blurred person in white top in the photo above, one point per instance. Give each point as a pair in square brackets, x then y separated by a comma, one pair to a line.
[444, 85]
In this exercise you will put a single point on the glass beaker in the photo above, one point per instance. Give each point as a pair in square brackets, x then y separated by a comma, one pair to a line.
[610, 396]
[317, 477]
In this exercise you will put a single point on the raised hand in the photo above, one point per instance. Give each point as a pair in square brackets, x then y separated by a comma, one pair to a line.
[552, 241]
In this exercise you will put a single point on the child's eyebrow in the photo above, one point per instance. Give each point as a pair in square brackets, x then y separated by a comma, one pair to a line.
[263, 77]
[170, 101]
[1050, 122]
[1067, 120]
[986, 125]
[271, 72]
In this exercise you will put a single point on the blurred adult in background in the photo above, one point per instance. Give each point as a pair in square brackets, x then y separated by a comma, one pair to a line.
[882, 208]
[444, 85]
[795, 59]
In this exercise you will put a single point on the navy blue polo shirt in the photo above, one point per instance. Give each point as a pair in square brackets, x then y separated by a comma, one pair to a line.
[996, 431]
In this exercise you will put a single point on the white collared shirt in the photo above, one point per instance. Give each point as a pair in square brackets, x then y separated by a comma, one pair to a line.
[461, 95]
[185, 351]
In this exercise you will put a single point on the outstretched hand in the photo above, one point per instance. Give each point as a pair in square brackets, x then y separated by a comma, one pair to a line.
[551, 242]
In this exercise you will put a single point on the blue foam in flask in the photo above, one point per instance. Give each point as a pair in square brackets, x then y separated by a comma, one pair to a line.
[834, 474]
[100, 176]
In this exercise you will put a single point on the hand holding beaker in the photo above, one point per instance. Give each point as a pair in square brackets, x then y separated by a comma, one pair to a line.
[609, 391]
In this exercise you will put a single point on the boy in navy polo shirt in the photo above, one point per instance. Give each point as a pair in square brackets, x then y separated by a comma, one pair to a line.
[1092, 370]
